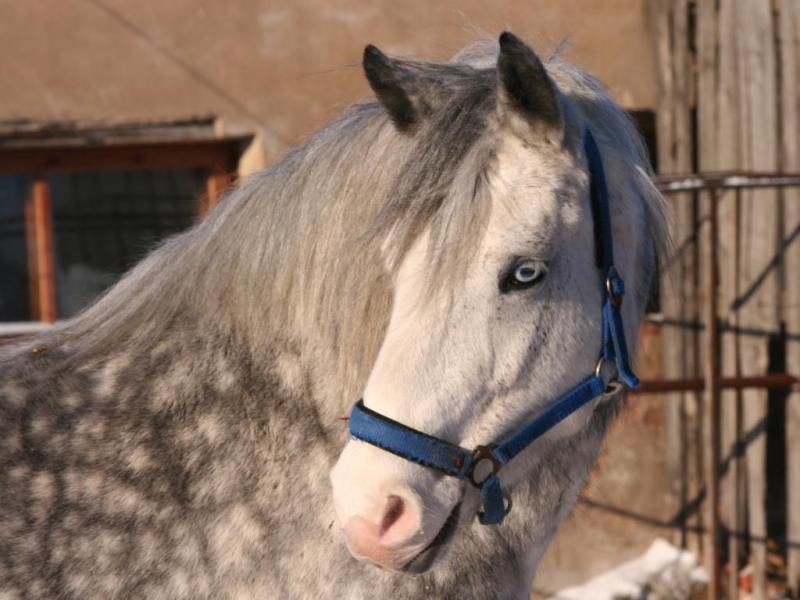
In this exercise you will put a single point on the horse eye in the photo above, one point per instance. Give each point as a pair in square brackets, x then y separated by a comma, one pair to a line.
[525, 274]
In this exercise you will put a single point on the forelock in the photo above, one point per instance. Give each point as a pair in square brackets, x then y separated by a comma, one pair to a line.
[440, 187]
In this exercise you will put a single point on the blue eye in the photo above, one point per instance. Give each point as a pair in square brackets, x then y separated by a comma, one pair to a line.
[525, 274]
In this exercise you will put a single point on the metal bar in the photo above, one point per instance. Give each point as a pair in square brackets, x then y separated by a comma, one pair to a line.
[733, 403]
[722, 174]
[672, 184]
[711, 406]
[735, 503]
[769, 381]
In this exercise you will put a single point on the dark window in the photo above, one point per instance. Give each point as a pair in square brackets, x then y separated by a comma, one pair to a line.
[14, 286]
[81, 205]
[105, 221]
[645, 121]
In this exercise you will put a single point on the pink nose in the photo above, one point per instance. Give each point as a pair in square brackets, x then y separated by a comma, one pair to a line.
[389, 539]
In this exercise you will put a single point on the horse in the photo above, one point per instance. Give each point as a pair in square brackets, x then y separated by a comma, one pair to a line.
[431, 251]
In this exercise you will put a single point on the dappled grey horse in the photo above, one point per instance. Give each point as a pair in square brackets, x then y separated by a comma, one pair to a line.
[432, 252]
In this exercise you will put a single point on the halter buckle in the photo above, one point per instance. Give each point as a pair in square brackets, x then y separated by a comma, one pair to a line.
[480, 454]
[615, 286]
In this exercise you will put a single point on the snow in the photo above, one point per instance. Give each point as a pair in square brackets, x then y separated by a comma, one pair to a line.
[664, 572]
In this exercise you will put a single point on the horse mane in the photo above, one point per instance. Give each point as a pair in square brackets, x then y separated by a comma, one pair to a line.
[294, 256]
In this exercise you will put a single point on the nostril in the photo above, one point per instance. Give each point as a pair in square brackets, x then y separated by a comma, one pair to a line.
[399, 522]
[392, 513]
[388, 535]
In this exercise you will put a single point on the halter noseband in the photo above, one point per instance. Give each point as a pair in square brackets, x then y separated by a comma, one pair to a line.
[368, 426]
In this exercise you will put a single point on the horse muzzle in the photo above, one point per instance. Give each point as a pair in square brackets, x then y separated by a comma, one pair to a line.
[384, 519]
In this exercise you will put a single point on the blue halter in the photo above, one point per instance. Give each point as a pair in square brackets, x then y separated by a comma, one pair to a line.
[368, 426]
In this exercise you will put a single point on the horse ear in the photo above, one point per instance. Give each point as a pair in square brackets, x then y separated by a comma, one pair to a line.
[394, 86]
[525, 89]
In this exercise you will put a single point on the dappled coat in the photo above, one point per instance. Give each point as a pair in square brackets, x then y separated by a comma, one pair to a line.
[175, 440]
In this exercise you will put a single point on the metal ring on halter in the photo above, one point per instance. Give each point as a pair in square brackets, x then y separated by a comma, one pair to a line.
[480, 454]
[506, 506]
[614, 294]
[611, 381]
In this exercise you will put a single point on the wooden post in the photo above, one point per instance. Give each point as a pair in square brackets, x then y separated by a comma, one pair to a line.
[717, 149]
[789, 44]
[672, 338]
[757, 92]
[711, 419]
[41, 261]
[679, 303]
[689, 310]
[720, 148]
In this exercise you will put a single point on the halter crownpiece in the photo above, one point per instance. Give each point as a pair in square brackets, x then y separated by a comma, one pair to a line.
[481, 466]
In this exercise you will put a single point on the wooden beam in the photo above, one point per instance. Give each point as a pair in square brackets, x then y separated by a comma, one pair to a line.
[214, 155]
[217, 183]
[41, 260]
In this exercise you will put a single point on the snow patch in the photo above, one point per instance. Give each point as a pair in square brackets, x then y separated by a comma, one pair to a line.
[664, 572]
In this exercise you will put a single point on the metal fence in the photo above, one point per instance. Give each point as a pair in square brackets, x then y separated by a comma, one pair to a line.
[712, 382]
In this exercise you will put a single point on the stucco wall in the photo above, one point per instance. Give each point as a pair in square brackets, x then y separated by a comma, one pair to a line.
[283, 68]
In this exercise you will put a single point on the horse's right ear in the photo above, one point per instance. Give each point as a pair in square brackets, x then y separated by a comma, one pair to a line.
[394, 86]
[527, 97]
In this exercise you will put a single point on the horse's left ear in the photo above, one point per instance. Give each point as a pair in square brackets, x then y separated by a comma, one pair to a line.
[527, 96]
[395, 87]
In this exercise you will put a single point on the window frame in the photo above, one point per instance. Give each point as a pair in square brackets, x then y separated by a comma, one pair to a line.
[217, 157]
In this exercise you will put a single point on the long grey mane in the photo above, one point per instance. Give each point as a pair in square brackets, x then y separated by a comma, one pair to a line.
[294, 253]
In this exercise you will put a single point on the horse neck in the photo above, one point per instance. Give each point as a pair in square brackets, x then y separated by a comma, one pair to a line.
[500, 562]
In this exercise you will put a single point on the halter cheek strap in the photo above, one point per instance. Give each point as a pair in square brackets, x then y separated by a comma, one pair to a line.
[614, 346]
[453, 460]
